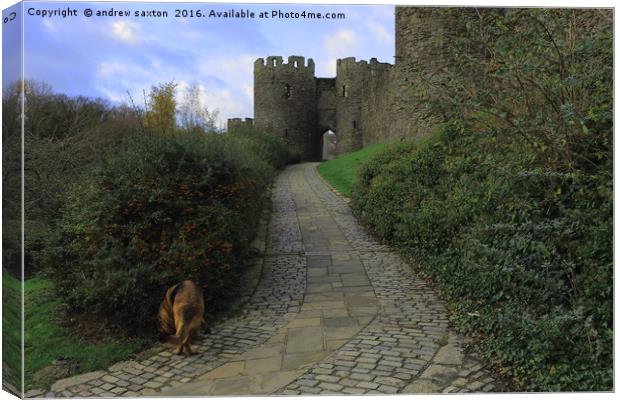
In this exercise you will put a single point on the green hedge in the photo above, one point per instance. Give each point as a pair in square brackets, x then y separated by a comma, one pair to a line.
[523, 255]
[164, 209]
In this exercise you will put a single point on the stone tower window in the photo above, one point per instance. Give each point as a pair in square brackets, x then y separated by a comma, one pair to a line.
[344, 90]
[285, 132]
[288, 92]
[295, 64]
[354, 124]
[274, 62]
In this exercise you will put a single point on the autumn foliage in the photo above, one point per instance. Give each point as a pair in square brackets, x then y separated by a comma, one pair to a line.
[161, 108]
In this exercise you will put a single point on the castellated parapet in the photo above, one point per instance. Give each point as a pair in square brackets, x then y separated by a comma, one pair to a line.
[367, 101]
[290, 102]
[285, 101]
[238, 123]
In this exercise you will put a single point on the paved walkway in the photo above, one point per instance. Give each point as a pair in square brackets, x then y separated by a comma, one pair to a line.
[335, 312]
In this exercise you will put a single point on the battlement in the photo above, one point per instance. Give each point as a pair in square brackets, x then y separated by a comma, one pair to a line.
[375, 64]
[234, 123]
[241, 120]
[350, 63]
[295, 63]
[366, 102]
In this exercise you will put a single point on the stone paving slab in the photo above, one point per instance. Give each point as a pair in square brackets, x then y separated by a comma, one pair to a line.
[335, 312]
[408, 348]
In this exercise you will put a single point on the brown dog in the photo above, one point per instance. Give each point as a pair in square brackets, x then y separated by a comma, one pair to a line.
[181, 314]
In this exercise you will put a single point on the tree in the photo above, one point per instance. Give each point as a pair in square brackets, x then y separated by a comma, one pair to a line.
[543, 74]
[63, 136]
[160, 108]
[193, 115]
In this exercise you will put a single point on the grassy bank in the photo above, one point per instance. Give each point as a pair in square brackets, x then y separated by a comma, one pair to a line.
[11, 331]
[48, 342]
[340, 173]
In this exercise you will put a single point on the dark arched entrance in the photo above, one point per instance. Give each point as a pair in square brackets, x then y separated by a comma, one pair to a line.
[328, 145]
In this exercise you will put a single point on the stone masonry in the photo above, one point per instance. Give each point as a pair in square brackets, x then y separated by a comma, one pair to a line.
[334, 312]
[367, 102]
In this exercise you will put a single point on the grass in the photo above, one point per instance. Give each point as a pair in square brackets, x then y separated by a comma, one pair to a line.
[341, 172]
[11, 332]
[47, 340]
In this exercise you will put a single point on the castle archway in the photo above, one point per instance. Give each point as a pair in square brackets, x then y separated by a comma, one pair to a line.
[328, 145]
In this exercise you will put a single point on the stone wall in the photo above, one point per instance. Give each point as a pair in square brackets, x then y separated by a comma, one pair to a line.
[367, 102]
[376, 105]
[285, 102]
[238, 123]
[423, 36]
[350, 76]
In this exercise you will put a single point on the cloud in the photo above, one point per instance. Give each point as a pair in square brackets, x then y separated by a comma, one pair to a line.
[235, 74]
[225, 84]
[236, 70]
[125, 31]
[225, 101]
[219, 55]
[115, 78]
[108, 68]
[113, 96]
[329, 66]
[248, 90]
[344, 40]
[50, 26]
[380, 32]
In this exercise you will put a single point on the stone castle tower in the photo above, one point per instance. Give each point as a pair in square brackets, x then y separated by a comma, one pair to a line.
[367, 102]
[285, 101]
[289, 101]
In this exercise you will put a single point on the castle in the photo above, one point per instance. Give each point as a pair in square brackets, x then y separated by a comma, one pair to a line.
[365, 103]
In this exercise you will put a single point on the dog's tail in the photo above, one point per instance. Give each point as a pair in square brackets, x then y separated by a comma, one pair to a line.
[183, 332]
[181, 335]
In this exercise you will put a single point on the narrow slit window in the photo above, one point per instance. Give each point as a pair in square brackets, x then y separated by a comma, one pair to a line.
[295, 64]
[288, 91]
[354, 124]
[285, 132]
[344, 90]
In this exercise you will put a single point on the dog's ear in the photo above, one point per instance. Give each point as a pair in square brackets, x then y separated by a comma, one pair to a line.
[172, 293]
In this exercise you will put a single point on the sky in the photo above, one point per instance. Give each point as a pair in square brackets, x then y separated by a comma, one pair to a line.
[11, 43]
[108, 57]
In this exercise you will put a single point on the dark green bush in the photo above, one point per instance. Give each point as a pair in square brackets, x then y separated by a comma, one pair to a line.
[294, 154]
[164, 209]
[523, 255]
[509, 209]
[62, 136]
[268, 147]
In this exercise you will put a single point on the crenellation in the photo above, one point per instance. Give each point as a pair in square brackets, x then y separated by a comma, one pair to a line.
[274, 61]
[239, 123]
[367, 101]
[290, 102]
[376, 65]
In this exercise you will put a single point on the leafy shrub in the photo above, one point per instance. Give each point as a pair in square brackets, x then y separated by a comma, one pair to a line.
[294, 154]
[523, 255]
[268, 147]
[509, 207]
[164, 209]
[62, 136]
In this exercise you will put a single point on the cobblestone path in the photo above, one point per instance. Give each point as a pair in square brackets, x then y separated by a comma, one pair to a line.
[335, 312]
